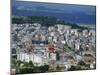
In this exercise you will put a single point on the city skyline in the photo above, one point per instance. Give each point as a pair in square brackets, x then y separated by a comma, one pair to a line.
[47, 39]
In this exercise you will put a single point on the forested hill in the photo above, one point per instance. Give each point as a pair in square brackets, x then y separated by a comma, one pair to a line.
[43, 20]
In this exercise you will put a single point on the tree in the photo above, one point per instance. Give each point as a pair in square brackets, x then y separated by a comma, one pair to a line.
[81, 63]
[26, 64]
[18, 62]
[44, 68]
[57, 56]
[26, 70]
[31, 64]
[72, 68]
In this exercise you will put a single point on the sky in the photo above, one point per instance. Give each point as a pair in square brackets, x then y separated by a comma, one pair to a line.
[67, 12]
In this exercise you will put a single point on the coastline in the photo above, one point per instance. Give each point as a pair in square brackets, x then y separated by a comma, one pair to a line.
[91, 26]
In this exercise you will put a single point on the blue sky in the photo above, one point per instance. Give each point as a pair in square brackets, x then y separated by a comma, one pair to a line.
[78, 11]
